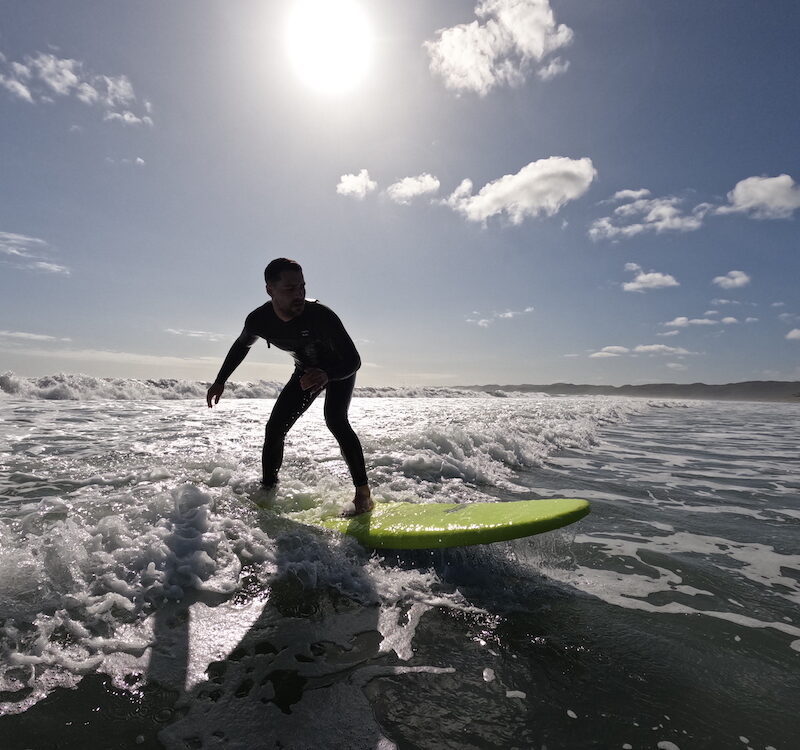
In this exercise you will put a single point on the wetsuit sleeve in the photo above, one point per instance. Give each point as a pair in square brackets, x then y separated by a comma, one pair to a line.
[347, 359]
[236, 354]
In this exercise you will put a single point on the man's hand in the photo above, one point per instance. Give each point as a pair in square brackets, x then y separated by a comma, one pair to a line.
[313, 379]
[214, 392]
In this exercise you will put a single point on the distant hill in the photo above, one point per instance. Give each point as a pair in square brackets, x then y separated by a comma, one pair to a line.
[751, 390]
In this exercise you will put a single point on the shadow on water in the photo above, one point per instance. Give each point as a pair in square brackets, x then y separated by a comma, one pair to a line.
[289, 682]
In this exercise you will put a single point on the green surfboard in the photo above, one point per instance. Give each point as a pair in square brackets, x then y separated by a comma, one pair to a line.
[438, 525]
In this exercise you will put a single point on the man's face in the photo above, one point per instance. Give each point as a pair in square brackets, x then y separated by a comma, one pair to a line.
[288, 294]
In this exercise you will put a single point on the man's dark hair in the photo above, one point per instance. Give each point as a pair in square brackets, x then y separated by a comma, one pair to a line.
[272, 273]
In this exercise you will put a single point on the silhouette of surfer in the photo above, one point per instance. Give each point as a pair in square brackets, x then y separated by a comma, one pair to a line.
[325, 359]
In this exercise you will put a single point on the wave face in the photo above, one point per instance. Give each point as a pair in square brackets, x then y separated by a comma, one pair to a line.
[72, 387]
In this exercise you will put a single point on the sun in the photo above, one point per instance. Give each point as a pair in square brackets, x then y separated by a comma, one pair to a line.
[329, 43]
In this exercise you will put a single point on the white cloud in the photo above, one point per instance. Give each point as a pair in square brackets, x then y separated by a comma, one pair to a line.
[28, 253]
[711, 312]
[778, 304]
[479, 56]
[554, 68]
[408, 188]
[44, 76]
[751, 320]
[729, 321]
[206, 335]
[30, 336]
[732, 280]
[618, 351]
[651, 280]
[127, 118]
[677, 366]
[41, 265]
[668, 333]
[725, 302]
[485, 322]
[683, 322]
[764, 197]
[794, 334]
[541, 187]
[629, 195]
[357, 185]
[644, 214]
[660, 349]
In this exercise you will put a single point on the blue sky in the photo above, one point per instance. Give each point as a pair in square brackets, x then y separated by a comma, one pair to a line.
[502, 192]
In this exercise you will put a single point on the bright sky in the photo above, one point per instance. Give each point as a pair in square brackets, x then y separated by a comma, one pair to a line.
[503, 192]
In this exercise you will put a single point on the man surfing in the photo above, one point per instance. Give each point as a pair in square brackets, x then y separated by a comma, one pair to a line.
[325, 359]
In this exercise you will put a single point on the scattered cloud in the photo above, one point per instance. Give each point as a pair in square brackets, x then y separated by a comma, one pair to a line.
[778, 304]
[725, 302]
[729, 321]
[751, 320]
[794, 334]
[554, 68]
[669, 333]
[409, 188]
[206, 335]
[28, 253]
[683, 322]
[41, 77]
[764, 198]
[138, 161]
[499, 48]
[30, 336]
[640, 213]
[485, 322]
[541, 187]
[677, 366]
[651, 280]
[660, 349]
[651, 349]
[732, 280]
[356, 185]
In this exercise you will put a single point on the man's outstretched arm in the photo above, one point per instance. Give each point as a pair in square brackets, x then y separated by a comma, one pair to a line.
[234, 358]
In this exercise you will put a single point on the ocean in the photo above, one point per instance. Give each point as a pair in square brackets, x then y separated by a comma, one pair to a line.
[146, 602]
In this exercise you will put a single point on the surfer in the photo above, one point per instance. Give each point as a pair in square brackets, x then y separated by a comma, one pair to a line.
[325, 358]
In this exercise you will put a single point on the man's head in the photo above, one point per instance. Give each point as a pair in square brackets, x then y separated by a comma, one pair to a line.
[286, 286]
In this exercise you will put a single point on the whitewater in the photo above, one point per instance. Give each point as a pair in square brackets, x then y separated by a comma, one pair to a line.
[145, 601]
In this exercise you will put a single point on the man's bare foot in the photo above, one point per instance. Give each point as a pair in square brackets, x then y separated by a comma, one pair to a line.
[362, 503]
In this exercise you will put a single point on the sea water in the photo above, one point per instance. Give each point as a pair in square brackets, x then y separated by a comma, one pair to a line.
[145, 601]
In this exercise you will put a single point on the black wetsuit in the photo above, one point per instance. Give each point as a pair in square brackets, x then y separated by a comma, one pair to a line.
[315, 338]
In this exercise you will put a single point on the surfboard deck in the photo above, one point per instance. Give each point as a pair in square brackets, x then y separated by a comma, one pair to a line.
[439, 525]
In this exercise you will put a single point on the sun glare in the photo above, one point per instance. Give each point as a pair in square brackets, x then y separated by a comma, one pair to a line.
[329, 43]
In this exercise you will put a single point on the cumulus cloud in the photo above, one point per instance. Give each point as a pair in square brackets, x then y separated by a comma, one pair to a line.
[500, 47]
[40, 77]
[640, 213]
[677, 366]
[486, 321]
[28, 253]
[651, 280]
[668, 333]
[356, 185]
[554, 68]
[732, 280]
[541, 187]
[403, 191]
[794, 334]
[764, 197]
[751, 320]
[729, 321]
